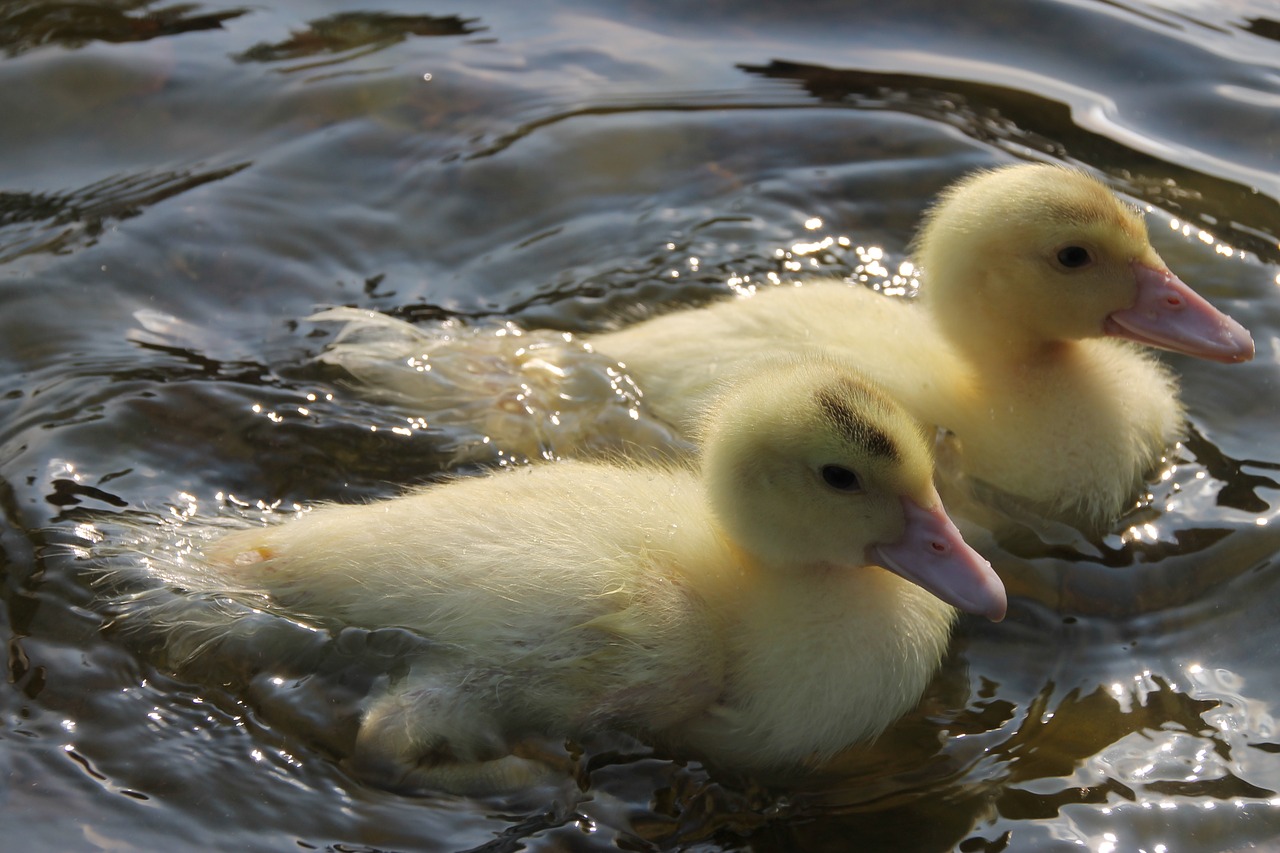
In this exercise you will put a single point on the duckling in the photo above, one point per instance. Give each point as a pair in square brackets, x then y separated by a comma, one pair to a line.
[1038, 282]
[1020, 348]
[787, 596]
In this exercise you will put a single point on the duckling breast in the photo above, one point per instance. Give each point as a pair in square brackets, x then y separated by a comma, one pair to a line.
[814, 671]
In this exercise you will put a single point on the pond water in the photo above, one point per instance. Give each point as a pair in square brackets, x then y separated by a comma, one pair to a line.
[181, 185]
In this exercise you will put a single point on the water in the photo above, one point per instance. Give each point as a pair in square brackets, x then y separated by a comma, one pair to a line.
[182, 185]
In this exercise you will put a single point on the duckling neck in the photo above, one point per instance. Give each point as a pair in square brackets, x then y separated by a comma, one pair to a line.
[821, 591]
[758, 583]
[992, 342]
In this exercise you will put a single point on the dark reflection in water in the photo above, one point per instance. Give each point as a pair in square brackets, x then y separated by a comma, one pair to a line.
[574, 171]
[27, 26]
[358, 32]
[62, 222]
[1240, 488]
[1266, 27]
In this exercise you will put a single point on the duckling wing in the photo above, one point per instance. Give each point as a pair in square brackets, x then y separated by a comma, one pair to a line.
[641, 656]
[469, 730]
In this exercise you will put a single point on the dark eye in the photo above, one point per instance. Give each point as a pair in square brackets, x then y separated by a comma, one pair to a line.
[1074, 257]
[840, 478]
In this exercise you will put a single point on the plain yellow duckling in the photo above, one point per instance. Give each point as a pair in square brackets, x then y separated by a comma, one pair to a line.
[1037, 283]
[738, 613]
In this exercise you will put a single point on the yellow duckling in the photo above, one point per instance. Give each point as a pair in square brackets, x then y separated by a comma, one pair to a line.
[1036, 281]
[790, 597]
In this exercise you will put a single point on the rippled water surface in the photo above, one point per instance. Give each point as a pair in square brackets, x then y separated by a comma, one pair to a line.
[181, 185]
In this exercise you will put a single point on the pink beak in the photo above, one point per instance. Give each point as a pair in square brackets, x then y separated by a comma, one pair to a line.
[932, 555]
[1172, 316]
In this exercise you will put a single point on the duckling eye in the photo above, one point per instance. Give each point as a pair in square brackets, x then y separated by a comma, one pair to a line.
[1074, 257]
[840, 478]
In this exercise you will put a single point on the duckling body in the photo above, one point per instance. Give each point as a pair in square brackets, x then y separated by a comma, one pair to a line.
[1039, 287]
[765, 610]
[1069, 432]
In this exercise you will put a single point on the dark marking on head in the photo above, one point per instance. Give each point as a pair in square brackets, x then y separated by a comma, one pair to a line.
[855, 428]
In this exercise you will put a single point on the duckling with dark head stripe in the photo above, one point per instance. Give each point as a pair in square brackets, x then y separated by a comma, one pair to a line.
[790, 596]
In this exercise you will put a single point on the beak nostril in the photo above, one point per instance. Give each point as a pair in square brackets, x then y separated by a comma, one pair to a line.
[939, 547]
[1173, 301]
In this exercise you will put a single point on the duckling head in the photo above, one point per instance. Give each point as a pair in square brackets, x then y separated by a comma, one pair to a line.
[1032, 255]
[809, 468]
